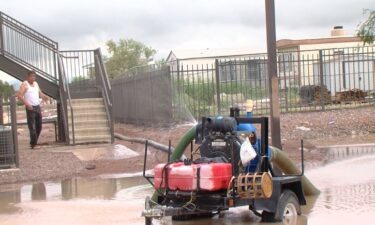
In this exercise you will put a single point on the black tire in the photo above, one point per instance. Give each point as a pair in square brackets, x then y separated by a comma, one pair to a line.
[148, 221]
[288, 206]
[268, 217]
[182, 217]
[192, 216]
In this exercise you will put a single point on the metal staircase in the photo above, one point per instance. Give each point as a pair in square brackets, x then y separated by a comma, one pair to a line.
[63, 75]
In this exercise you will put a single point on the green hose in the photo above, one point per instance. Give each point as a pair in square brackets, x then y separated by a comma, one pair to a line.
[287, 166]
[183, 143]
[178, 152]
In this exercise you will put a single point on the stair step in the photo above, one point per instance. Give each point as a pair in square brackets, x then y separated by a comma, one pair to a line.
[90, 123]
[88, 116]
[91, 138]
[86, 108]
[90, 131]
[86, 101]
[87, 112]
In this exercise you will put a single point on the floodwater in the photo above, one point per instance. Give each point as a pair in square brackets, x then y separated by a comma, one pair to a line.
[347, 182]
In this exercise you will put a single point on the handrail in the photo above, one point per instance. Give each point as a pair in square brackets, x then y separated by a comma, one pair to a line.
[107, 83]
[104, 78]
[1, 36]
[25, 27]
[28, 47]
[106, 90]
[64, 84]
[30, 35]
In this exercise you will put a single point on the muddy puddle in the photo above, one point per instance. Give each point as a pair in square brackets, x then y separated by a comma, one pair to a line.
[347, 182]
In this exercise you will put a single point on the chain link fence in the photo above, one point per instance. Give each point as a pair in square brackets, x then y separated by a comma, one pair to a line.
[143, 96]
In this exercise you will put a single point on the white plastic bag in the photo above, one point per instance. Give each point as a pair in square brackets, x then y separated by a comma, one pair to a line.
[247, 152]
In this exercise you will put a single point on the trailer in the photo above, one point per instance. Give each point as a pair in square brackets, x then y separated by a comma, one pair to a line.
[213, 178]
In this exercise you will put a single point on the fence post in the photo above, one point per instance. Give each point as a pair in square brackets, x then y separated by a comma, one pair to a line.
[217, 76]
[1, 110]
[321, 82]
[286, 89]
[13, 116]
[170, 93]
[178, 94]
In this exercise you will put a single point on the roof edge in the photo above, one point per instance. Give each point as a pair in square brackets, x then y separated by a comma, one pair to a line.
[284, 43]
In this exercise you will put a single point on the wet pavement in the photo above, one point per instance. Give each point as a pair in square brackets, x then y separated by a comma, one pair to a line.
[347, 182]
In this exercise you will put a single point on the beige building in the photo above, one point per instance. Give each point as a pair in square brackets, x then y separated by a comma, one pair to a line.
[340, 62]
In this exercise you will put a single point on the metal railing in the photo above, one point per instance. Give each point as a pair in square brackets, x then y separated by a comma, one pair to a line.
[195, 91]
[78, 75]
[86, 77]
[106, 89]
[65, 100]
[27, 47]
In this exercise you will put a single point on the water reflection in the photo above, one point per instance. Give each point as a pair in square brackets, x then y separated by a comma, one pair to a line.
[106, 189]
[88, 189]
[8, 202]
[38, 192]
[348, 190]
[241, 216]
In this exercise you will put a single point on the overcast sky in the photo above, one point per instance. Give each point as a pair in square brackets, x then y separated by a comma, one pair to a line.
[179, 24]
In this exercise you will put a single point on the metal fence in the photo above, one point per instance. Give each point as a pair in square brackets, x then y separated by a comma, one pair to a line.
[80, 73]
[344, 77]
[143, 96]
[308, 81]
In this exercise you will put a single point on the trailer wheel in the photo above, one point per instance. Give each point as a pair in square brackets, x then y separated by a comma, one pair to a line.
[148, 221]
[268, 217]
[288, 206]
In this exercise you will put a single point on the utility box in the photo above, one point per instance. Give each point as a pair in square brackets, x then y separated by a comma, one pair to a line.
[7, 151]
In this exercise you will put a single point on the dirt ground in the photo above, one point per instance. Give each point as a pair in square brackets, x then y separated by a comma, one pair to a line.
[56, 161]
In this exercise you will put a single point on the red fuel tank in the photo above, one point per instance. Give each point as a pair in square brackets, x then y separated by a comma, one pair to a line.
[211, 176]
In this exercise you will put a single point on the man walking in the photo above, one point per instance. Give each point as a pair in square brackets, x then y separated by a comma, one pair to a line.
[29, 94]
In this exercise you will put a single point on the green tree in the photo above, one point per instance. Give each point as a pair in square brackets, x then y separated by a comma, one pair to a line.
[125, 54]
[161, 62]
[6, 90]
[366, 29]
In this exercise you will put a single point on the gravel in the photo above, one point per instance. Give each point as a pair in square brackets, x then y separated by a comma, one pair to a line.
[346, 126]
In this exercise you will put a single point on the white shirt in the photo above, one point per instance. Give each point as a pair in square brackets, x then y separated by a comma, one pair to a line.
[32, 94]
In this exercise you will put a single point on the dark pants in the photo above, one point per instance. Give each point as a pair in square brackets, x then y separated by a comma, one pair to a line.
[34, 122]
